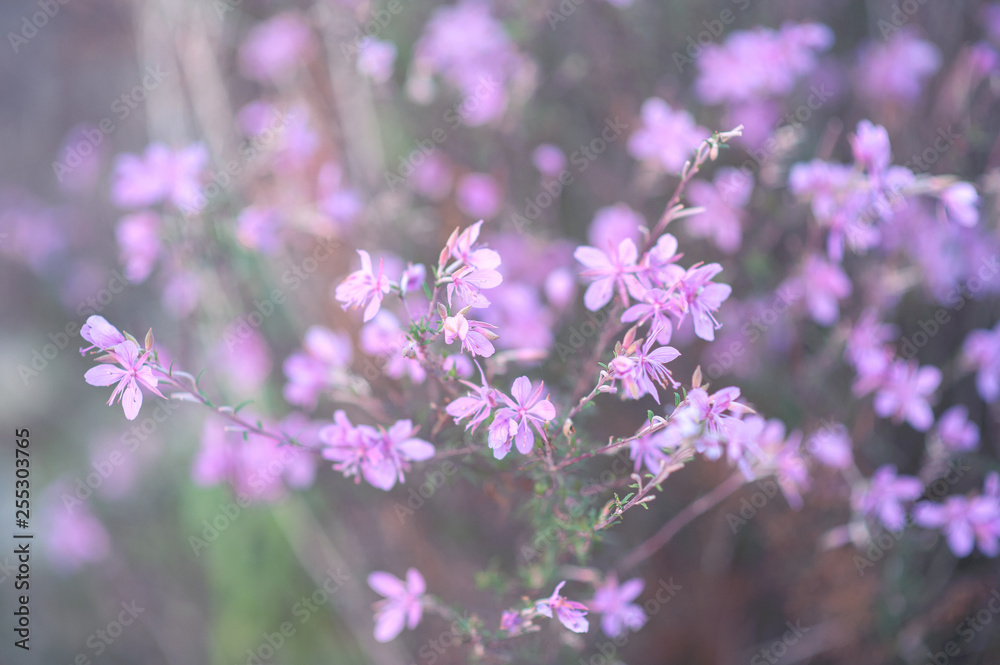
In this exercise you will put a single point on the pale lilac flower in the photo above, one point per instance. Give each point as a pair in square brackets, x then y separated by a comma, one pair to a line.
[101, 334]
[885, 495]
[702, 297]
[275, 48]
[467, 284]
[743, 444]
[549, 159]
[475, 336]
[161, 174]
[982, 352]
[511, 621]
[513, 423]
[467, 251]
[897, 68]
[711, 418]
[376, 58]
[478, 403]
[133, 371]
[723, 201]
[560, 288]
[666, 138]
[832, 446]
[138, 238]
[824, 284]
[956, 431]
[412, 278]
[961, 204]
[641, 367]
[258, 229]
[649, 450]
[569, 612]
[457, 363]
[905, 393]
[432, 178]
[613, 224]
[348, 445]
[614, 601]
[478, 195]
[964, 522]
[363, 286]
[657, 308]
[73, 537]
[321, 365]
[870, 145]
[611, 270]
[868, 336]
[403, 604]
[393, 350]
[783, 457]
[394, 450]
[659, 267]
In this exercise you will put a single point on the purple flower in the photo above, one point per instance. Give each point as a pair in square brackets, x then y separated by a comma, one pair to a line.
[467, 284]
[982, 352]
[615, 602]
[955, 430]
[650, 449]
[666, 138]
[478, 195]
[961, 203]
[871, 147]
[133, 371]
[511, 621]
[474, 335]
[363, 286]
[965, 522]
[609, 270]
[896, 69]
[478, 404]
[380, 457]
[905, 392]
[641, 367]
[549, 159]
[711, 418]
[824, 284]
[513, 423]
[276, 47]
[885, 495]
[322, 365]
[702, 297]
[403, 604]
[161, 174]
[723, 201]
[383, 338]
[569, 612]
[613, 224]
[467, 251]
[784, 458]
[657, 307]
[659, 265]
[139, 240]
[376, 58]
[101, 334]
[832, 446]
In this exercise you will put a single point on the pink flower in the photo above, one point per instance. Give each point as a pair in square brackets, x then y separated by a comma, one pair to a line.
[321, 365]
[478, 195]
[74, 536]
[615, 602]
[885, 495]
[376, 59]
[832, 446]
[649, 450]
[548, 159]
[666, 138]
[783, 457]
[379, 456]
[363, 286]
[965, 523]
[702, 297]
[569, 612]
[905, 392]
[161, 174]
[659, 265]
[641, 368]
[132, 372]
[384, 339]
[403, 604]
[101, 334]
[478, 404]
[957, 433]
[276, 47]
[897, 69]
[609, 270]
[961, 203]
[982, 352]
[474, 335]
[467, 284]
[613, 224]
[657, 307]
[514, 422]
[139, 240]
[824, 284]
[711, 419]
[467, 251]
[723, 201]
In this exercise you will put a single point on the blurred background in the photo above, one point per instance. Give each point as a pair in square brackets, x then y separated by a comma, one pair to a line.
[208, 169]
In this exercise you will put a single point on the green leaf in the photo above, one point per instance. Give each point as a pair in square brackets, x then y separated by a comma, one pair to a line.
[677, 399]
[427, 290]
[241, 405]
[650, 414]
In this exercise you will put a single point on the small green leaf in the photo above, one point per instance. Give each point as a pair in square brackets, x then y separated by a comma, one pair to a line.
[650, 414]
[241, 405]
[677, 399]
[427, 290]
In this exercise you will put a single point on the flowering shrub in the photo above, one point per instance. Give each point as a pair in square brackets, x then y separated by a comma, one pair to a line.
[787, 286]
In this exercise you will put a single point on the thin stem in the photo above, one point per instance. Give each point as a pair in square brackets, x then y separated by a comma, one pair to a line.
[679, 521]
